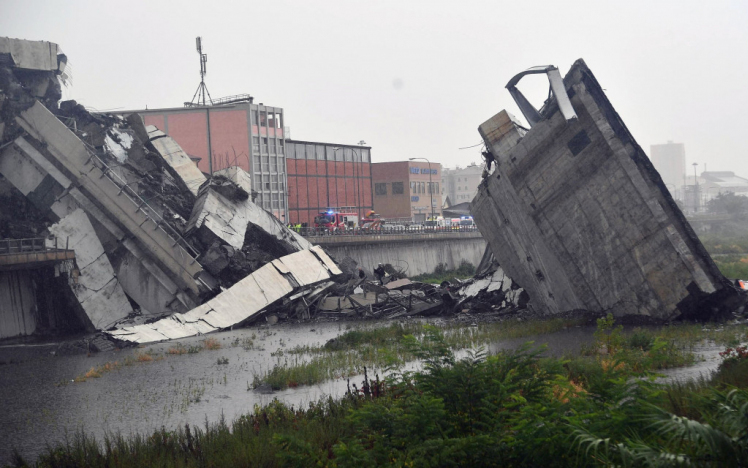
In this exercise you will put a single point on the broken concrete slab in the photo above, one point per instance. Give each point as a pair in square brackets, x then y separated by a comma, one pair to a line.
[495, 289]
[177, 159]
[215, 216]
[31, 55]
[302, 274]
[97, 288]
[578, 216]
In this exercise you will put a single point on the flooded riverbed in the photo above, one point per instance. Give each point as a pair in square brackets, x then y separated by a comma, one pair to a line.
[40, 403]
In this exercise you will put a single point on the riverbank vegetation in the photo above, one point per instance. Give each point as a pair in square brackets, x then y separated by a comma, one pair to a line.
[520, 408]
[729, 251]
[441, 273]
[382, 347]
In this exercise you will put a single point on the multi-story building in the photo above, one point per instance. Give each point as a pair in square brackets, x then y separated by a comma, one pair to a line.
[324, 176]
[670, 161]
[461, 184]
[233, 132]
[407, 190]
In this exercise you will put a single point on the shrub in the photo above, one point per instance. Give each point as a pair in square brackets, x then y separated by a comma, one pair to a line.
[465, 269]
[177, 349]
[640, 340]
[211, 344]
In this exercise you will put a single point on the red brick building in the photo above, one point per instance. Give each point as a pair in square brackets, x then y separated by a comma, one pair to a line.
[406, 189]
[326, 175]
[220, 136]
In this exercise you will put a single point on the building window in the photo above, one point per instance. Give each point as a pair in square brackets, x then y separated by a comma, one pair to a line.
[365, 155]
[412, 187]
[320, 150]
[263, 119]
[397, 188]
[380, 189]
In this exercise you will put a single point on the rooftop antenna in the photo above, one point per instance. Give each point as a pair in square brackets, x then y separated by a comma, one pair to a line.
[202, 89]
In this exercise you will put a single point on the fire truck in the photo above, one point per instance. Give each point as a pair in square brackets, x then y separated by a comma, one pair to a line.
[337, 219]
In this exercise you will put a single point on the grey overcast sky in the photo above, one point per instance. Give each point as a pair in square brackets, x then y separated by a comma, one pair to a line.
[413, 78]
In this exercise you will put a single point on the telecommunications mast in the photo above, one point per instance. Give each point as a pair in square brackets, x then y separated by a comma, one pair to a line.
[202, 89]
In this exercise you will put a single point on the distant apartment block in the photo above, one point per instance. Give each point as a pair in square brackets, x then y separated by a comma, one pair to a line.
[461, 184]
[670, 161]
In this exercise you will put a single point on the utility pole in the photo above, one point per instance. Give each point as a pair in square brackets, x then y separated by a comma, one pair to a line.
[695, 190]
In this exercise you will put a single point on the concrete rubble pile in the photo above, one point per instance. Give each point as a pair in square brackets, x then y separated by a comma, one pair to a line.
[490, 290]
[396, 297]
[577, 215]
[152, 235]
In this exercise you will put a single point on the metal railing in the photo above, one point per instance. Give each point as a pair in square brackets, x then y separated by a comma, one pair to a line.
[15, 252]
[14, 246]
[142, 206]
[385, 230]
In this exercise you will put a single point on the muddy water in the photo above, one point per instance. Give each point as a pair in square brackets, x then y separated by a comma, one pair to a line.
[40, 405]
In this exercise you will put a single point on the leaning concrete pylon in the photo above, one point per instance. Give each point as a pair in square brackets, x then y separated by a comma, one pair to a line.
[577, 215]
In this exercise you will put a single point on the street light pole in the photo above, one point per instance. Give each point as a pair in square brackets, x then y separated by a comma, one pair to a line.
[696, 194]
[431, 186]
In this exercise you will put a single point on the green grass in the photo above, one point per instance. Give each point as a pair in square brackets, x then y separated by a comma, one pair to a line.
[383, 348]
[733, 251]
[725, 244]
[441, 273]
[733, 267]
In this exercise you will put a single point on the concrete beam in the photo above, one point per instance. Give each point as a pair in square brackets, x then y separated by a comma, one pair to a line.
[70, 155]
[97, 289]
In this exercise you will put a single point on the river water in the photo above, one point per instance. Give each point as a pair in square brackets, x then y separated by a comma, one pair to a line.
[40, 404]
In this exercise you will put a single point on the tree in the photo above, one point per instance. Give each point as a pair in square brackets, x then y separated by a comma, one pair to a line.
[729, 203]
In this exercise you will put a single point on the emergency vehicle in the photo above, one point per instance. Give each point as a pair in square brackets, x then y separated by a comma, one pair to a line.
[466, 221]
[437, 223]
[336, 219]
